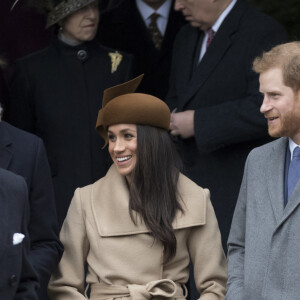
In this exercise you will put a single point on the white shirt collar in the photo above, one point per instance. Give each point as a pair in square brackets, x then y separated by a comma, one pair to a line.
[223, 15]
[146, 11]
[292, 146]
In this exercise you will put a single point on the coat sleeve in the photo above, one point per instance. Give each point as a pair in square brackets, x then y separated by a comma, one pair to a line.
[236, 246]
[46, 249]
[68, 280]
[210, 266]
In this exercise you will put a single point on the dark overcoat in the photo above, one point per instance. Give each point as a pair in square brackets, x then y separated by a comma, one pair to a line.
[25, 155]
[56, 94]
[124, 28]
[18, 281]
[224, 92]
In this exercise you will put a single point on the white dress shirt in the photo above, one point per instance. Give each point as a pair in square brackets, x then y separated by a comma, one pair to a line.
[146, 11]
[216, 27]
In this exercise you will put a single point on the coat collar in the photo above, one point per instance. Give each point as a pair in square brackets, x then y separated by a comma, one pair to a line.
[110, 198]
[220, 45]
[275, 177]
[5, 146]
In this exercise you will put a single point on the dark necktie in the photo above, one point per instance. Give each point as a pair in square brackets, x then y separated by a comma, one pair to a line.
[211, 35]
[154, 31]
[294, 171]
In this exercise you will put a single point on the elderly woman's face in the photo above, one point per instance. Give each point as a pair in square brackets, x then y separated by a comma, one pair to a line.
[82, 25]
[122, 147]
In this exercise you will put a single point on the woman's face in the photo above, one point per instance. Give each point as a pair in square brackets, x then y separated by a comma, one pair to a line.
[122, 147]
[82, 25]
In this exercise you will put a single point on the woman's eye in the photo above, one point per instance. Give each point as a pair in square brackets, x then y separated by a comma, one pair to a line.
[111, 137]
[128, 135]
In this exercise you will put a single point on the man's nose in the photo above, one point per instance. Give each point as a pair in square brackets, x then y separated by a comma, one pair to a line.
[266, 105]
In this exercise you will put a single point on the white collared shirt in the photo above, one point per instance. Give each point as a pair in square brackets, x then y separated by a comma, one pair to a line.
[292, 146]
[146, 11]
[216, 27]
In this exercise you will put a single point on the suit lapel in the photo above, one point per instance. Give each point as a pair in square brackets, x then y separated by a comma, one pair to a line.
[217, 49]
[5, 147]
[275, 178]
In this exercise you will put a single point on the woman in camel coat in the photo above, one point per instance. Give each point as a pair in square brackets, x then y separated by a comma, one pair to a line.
[136, 248]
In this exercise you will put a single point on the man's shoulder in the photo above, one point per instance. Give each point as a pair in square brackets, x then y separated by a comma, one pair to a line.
[266, 149]
[259, 23]
[19, 136]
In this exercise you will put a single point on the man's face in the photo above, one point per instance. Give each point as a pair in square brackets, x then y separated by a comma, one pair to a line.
[200, 13]
[281, 105]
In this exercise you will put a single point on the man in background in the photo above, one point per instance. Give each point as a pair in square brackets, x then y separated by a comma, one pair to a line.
[18, 280]
[146, 29]
[24, 154]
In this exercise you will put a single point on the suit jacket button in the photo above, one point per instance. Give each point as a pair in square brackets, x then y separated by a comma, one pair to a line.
[13, 280]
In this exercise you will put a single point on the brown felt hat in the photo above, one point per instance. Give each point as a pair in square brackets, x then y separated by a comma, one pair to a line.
[120, 105]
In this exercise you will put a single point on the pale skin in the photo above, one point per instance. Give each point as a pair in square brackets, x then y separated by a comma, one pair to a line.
[281, 105]
[82, 25]
[201, 13]
[182, 124]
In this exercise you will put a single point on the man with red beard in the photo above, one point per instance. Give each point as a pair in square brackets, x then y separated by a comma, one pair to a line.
[264, 241]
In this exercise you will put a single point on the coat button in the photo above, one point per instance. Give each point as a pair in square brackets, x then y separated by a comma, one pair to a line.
[13, 280]
[82, 55]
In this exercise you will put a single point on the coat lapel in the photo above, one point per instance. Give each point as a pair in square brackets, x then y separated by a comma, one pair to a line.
[292, 203]
[5, 147]
[217, 49]
[275, 178]
[110, 199]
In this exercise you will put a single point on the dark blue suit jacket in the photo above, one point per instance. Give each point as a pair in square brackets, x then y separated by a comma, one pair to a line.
[18, 281]
[24, 154]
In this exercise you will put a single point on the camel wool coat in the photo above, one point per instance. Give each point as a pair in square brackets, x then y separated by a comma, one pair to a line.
[124, 261]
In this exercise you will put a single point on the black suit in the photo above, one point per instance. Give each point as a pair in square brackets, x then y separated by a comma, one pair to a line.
[18, 280]
[56, 94]
[124, 28]
[224, 92]
[24, 154]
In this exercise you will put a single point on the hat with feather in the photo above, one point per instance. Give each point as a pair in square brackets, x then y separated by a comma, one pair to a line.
[121, 105]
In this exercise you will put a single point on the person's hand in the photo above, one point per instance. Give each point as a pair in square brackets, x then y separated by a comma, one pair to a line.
[182, 123]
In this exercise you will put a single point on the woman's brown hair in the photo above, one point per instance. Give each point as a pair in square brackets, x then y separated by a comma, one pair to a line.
[153, 187]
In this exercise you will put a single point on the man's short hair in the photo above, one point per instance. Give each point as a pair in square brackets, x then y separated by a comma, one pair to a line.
[287, 58]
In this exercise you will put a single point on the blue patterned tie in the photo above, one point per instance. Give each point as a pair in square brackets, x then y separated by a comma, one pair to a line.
[294, 171]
